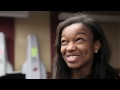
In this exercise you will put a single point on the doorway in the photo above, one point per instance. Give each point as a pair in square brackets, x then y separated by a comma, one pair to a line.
[7, 27]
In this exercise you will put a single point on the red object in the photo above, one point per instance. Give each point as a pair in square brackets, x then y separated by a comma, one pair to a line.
[35, 69]
[1, 51]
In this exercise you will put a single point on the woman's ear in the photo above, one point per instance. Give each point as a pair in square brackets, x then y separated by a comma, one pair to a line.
[97, 46]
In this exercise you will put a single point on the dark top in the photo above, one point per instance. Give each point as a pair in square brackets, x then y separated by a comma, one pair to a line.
[13, 76]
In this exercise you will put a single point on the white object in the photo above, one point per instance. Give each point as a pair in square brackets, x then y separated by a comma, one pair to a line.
[33, 68]
[5, 65]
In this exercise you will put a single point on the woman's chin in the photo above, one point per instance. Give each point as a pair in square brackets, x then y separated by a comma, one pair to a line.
[73, 66]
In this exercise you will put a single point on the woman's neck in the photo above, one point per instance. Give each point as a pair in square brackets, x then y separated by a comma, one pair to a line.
[80, 73]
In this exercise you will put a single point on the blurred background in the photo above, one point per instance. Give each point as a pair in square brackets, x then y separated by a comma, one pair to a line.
[17, 25]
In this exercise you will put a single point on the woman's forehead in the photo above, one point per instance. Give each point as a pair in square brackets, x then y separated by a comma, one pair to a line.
[76, 28]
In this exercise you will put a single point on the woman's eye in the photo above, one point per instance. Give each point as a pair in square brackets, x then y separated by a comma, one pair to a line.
[79, 40]
[63, 42]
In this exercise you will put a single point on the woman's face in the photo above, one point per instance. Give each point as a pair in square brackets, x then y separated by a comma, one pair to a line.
[77, 46]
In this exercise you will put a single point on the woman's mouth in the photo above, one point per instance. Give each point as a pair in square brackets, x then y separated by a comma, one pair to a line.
[73, 58]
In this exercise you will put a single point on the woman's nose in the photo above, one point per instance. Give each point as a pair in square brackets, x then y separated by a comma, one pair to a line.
[70, 47]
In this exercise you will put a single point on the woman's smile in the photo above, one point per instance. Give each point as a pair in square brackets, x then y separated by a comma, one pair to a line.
[72, 58]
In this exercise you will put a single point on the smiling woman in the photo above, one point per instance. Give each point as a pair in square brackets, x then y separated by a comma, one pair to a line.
[82, 50]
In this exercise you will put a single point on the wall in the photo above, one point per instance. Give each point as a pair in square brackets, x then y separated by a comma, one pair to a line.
[38, 23]
[112, 33]
[118, 61]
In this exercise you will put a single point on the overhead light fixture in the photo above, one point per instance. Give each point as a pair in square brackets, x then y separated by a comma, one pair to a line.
[101, 18]
[15, 14]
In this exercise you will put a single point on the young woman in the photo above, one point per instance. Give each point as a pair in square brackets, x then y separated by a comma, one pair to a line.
[82, 50]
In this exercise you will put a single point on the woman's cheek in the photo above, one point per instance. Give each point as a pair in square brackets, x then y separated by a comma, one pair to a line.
[63, 50]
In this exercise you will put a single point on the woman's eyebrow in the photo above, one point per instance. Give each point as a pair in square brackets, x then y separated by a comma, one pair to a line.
[76, 33]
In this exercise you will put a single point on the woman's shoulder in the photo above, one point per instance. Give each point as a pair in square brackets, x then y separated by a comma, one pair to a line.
[112, 74]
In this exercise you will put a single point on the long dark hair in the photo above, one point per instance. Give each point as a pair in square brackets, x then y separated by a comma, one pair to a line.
[101, 66]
